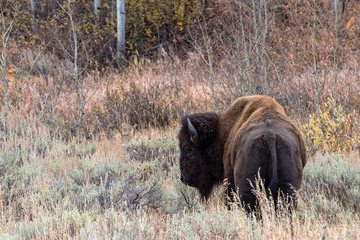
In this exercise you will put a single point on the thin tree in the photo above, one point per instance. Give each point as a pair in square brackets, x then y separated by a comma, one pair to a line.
[316, 81]
[77, 45]
[97, 9]
[34, 12]
[81, 98]
[6, 27]
[338, 4]
[120, 28]
[112, 4]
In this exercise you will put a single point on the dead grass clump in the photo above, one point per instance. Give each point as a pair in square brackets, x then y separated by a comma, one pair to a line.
[15, 174]
[145, 96]
[331, 188]
[140, 108]
[144, 150]
[104, 186]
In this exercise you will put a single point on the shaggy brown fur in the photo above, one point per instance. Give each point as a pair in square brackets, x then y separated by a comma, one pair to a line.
[252, 136]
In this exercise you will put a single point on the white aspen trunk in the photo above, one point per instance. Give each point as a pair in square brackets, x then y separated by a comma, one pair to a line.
[120, 28]
[97, 9]
[33, 5]
[33, 9]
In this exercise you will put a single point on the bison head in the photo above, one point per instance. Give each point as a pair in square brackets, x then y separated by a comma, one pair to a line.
[200, 152]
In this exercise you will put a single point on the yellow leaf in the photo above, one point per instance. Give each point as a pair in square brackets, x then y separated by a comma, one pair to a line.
[11, 70]
[348, 24]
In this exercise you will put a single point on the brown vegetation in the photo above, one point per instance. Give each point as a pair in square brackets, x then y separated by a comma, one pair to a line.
[106, 182]
[294, 53]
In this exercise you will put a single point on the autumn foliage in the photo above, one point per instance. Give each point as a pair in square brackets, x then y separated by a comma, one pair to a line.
[333, 129]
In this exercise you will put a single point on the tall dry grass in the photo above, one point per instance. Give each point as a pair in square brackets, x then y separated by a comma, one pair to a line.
[129, 187]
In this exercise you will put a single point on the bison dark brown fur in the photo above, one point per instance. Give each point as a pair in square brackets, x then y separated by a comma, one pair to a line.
[252, 136]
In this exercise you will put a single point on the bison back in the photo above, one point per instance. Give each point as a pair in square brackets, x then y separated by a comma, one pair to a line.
[271, 149]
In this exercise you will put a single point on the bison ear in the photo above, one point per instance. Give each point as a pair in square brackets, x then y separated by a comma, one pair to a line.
[192, 131]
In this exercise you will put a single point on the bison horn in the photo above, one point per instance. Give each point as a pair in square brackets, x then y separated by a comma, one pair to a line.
[192, 131]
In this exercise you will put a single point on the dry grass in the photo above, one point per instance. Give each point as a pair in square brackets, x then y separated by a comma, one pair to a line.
[128, 187]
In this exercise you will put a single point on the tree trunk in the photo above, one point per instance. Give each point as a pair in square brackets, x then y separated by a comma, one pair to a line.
[97, 9]
[120, 28]
[5, 30]
[33, 8]
[112, 2]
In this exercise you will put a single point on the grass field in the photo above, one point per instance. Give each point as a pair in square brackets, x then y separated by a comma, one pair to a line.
[129, 188]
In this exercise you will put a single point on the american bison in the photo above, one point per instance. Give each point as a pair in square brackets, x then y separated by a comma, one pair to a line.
[253, 136]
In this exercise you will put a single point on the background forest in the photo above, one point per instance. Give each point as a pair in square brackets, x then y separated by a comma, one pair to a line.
[88, 143]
